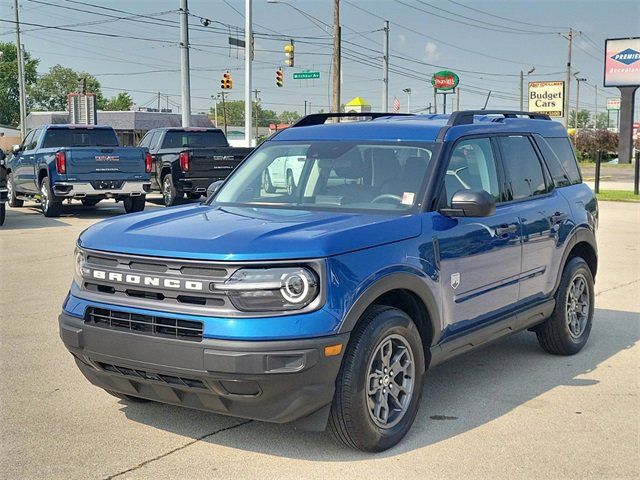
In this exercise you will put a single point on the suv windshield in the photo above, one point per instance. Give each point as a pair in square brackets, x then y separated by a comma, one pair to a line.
[331, 175]
[80, 137]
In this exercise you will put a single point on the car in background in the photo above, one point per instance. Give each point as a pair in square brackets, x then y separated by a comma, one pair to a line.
[185, 161]
[3, 187]
[77, 162]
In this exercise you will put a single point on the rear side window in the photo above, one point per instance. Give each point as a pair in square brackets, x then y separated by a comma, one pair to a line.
[194, 139]
[561, 146]
[80, 137]
[560, 176]
[522, 167]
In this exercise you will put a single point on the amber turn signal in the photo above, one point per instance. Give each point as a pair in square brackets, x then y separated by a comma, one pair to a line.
[333, 350]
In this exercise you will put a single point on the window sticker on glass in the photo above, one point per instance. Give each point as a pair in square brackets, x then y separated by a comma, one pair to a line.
[407, 198]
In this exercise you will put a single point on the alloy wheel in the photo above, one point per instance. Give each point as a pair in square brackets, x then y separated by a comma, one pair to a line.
[577, 305]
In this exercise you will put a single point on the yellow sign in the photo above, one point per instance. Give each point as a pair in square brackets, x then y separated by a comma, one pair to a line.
[547, 97]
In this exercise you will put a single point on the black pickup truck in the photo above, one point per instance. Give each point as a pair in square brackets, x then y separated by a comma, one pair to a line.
[187, 160]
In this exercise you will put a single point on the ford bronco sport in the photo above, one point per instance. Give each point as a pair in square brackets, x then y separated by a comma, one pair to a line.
[403, 242]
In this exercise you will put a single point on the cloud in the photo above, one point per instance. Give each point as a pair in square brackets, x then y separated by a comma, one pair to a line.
[431, 51]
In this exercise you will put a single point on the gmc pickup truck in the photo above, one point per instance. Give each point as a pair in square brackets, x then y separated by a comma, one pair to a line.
[84, 162]
[187, 160]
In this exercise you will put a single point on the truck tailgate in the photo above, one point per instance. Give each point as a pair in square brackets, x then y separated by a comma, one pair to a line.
[96, 160]
[215, 163]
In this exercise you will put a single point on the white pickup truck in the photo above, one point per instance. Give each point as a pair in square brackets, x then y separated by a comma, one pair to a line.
[284, 172]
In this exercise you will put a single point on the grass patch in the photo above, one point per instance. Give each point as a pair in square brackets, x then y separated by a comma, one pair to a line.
[617, 196]
[622, 166]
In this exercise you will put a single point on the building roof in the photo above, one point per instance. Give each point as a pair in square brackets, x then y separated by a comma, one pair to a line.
[358, 102]
[122, 120]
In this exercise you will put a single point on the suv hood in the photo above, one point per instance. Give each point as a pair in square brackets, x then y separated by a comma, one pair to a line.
[245, 233]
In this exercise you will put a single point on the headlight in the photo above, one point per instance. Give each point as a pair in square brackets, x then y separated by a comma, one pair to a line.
[81, 270]
[271, 289]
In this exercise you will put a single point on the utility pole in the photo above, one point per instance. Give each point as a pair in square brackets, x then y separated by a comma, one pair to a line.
[184, 64]
[568, 82]
[335, 98]
[408, 92]
[224, 112]
[158, 101]
[248, 39]
[21, 74]
[215, 110]
[257, 92]
[578, 80]
[305, 108]
[521, 90]
[385, 68]
[457, 99]
[435, 100]
[595, 123]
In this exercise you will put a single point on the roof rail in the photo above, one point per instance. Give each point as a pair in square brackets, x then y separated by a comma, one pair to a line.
[320, 118]
[465, 117]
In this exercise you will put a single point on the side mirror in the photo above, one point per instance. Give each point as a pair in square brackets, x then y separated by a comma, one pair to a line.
[471, 203]
[16, 149]
[214, 187]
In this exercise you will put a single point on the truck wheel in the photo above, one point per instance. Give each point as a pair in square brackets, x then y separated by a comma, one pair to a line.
[134, 204]
[568, 328]
[14, 201]
[129, 398]
[51, 207]
[3, 211]
[170, 195]
[291, 183]
[193, 196]
[379, 386]
[90, 202]
[267, 186]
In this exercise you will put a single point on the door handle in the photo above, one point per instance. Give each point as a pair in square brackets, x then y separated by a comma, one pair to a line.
[558, 217]
[506, 229]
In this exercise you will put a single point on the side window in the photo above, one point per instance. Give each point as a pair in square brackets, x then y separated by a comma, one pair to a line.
[472, 166]
[560, 176]
[522, 167]
[155, 140]
[146, 140]
[563, 150]
[28, 140]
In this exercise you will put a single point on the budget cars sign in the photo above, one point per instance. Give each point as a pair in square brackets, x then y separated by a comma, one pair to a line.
[547, 97]
[622, 62]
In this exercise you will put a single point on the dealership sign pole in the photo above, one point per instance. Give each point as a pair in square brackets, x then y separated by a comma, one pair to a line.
[444, 83]
[622, 70]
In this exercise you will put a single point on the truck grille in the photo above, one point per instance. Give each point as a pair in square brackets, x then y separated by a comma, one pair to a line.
[144, 324]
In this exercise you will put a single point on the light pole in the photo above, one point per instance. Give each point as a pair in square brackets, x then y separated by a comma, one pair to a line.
[578, 80]
[533, 69]
[184, 64]
[408, 92]
[248, 51]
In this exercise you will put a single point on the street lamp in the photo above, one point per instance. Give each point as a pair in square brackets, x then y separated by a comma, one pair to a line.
[408, 92]
[533, 69]
[578, 81]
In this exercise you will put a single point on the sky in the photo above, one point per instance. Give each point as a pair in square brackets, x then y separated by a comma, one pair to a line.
[486, 42]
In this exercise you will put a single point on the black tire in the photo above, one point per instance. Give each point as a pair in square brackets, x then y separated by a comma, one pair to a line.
[267, 186]
[14, 201]
[566, 332]
[291, 183]
[351, 422]
[90, 202]
[134, 204]
[50, 205]
[128, 398]
[193, 196]
[170, 195]
[3, 212]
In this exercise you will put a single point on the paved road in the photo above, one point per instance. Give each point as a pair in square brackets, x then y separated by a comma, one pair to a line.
[507, 411]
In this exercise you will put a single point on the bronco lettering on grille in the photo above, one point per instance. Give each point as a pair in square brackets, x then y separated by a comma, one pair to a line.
[147, 280]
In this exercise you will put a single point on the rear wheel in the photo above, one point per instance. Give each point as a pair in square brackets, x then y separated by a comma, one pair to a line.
[50, 205]
[170, 194]
[90, 202]
[267, 185]
[379, 386]
[14, 201]
[129, 398]
[3, 211]
[567, 330]
[193, 196]
[134, 204]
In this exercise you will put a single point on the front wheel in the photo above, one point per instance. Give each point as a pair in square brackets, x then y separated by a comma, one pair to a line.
[267, 185]
[134, 204]
[50, 205]
[14, 201]
[379, 386]
[291, 184]
[567, 330]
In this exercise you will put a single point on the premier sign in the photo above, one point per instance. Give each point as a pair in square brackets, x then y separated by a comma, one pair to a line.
[547, 97]
[622, 62]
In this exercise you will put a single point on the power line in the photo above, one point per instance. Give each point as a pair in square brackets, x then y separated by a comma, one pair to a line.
[505, 18]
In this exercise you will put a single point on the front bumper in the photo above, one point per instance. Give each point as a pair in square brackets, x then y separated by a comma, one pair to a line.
[273, 381]
[86, 189]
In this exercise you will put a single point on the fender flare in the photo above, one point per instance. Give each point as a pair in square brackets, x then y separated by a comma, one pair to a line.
[579, 235]
[394, 281]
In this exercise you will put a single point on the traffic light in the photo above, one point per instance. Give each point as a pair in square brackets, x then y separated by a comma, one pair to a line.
[226, 83]
[279, 77]
[289, 51]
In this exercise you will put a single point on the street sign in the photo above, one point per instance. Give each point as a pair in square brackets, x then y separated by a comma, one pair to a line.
[306, 75]
[613, 104]
[445, 80]
[547, 97]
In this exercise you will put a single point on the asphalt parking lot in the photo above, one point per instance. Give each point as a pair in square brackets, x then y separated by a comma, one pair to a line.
[507, 411]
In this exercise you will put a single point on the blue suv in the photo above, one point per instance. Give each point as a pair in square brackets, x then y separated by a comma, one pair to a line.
[401, 242]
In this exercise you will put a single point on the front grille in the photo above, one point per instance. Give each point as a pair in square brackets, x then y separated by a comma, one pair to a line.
[158, 377]
[144, 324]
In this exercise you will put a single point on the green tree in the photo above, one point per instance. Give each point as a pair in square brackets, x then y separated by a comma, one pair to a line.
[584, 119]
[602, 121]
[121, 102]
[235, 114]
[9, 92]
[51, 90]
[289, 117]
